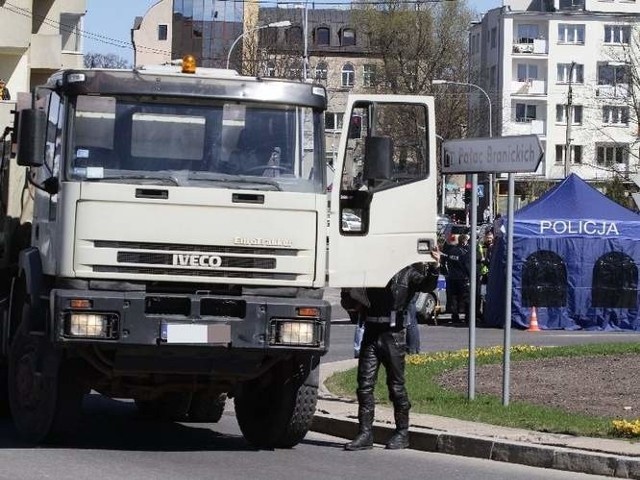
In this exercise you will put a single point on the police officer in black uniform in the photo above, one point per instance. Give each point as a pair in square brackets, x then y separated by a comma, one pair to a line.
[384, 342]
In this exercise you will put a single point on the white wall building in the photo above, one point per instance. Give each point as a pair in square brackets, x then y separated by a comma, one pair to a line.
[532, 56]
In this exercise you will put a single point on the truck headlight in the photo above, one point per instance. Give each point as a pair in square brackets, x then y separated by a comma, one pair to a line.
[93, 325]
[292, 332]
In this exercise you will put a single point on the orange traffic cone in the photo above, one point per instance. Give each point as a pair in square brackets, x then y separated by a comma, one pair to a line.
[533, 321]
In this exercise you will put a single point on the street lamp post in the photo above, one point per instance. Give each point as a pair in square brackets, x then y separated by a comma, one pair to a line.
[284, 23]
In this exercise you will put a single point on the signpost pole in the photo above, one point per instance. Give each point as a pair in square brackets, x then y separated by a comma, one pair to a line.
[471, 311]
[506, 354]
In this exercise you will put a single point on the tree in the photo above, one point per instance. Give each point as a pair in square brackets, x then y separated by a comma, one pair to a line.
[100, 60]
[417, 43]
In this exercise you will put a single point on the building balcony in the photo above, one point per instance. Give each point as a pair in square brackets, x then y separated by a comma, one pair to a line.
[15, 33]
[534, 46]
[530, 127]
[45, 51]
[530, 87]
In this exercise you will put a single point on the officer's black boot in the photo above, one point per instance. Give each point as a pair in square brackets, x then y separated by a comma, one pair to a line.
[400, 438]
[364, 439]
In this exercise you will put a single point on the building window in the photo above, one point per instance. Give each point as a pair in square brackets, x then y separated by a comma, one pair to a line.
[565, 68]
[162, 32]
[348, 75]
[322, 36]
[271, 69]
[369, 75]
[613, 75]
[527, 72]
[615, 115]
[619, 34]
[492, 76]
[321, 71]
[494, 37]
[70, 32]
[561, 114]
[525, 112]
[568, 33]
[347, 37]
[333, 121]
[527, 33]
[608, 155]
[294, 36]
[576, 154]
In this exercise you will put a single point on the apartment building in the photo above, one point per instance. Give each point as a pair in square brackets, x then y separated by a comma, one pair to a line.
[37, 38]
[564, 70]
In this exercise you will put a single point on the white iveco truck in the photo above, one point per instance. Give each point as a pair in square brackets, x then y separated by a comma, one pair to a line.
[178, 245]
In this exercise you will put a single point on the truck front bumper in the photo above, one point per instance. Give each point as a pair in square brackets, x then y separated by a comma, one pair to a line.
[137, 318]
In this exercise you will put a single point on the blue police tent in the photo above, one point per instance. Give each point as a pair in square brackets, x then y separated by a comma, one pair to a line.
[575, 258]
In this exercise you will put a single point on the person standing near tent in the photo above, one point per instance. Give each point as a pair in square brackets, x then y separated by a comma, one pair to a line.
[485, 249]
[458, 266]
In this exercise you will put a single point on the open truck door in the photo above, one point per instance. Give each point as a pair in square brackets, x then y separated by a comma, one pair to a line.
[384, 195]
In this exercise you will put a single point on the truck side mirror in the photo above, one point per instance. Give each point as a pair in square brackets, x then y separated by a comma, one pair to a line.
[378, 158]
[31, 141]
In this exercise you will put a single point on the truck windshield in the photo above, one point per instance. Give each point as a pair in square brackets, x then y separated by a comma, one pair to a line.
[215, 144]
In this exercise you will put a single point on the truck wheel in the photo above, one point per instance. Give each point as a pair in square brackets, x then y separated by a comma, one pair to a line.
[45, 399]
[169, 406]
[207, 407]
[277, 413]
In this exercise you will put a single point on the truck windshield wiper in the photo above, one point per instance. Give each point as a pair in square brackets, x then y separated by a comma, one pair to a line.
[156, 177]
[236, 179]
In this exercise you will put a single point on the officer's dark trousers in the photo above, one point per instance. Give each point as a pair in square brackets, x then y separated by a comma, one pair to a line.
[384, 345]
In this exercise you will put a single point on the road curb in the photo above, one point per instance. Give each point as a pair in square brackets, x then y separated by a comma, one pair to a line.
[541, 456]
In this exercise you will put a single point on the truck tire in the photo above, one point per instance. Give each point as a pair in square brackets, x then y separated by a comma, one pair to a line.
[207, 407]
[168, 407]
[44, 395]
[277, 413]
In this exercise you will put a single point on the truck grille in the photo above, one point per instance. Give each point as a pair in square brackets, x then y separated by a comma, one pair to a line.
[178, 247]
[213, 261]
[193, 272]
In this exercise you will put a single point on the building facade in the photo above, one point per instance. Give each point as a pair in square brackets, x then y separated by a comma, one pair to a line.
[563, 69]
[37, 38]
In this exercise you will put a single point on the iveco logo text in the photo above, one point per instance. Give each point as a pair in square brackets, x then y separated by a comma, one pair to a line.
[263, 242]
[187, 260]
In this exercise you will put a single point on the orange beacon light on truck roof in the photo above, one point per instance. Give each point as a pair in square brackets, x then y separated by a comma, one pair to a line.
[188, 64]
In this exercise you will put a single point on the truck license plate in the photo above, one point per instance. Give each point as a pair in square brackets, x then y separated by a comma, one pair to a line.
[196, 333]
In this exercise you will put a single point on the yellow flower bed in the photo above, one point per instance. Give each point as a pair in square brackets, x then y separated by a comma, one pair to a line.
[425, 358]
[625, 428]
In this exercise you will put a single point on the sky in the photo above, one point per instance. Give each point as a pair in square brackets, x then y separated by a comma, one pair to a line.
[111, 20]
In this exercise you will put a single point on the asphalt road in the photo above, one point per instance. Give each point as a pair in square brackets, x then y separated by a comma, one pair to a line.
[115, 443]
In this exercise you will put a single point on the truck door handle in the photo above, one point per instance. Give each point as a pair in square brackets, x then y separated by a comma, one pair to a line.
[152, 193]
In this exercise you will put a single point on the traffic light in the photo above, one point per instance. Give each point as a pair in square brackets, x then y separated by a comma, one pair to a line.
[467, 194]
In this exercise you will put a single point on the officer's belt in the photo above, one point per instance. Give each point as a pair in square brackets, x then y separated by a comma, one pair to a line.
[378, 319]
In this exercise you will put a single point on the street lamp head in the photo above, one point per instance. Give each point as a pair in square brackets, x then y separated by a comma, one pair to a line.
[439, 82]
[283, 23]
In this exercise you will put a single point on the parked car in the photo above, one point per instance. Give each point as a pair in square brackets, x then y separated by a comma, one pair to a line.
[431, 304]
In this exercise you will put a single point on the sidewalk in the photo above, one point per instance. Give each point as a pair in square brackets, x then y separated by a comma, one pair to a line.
[617, 458]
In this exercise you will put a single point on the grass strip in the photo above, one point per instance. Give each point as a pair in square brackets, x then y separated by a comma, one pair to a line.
[428, 397]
